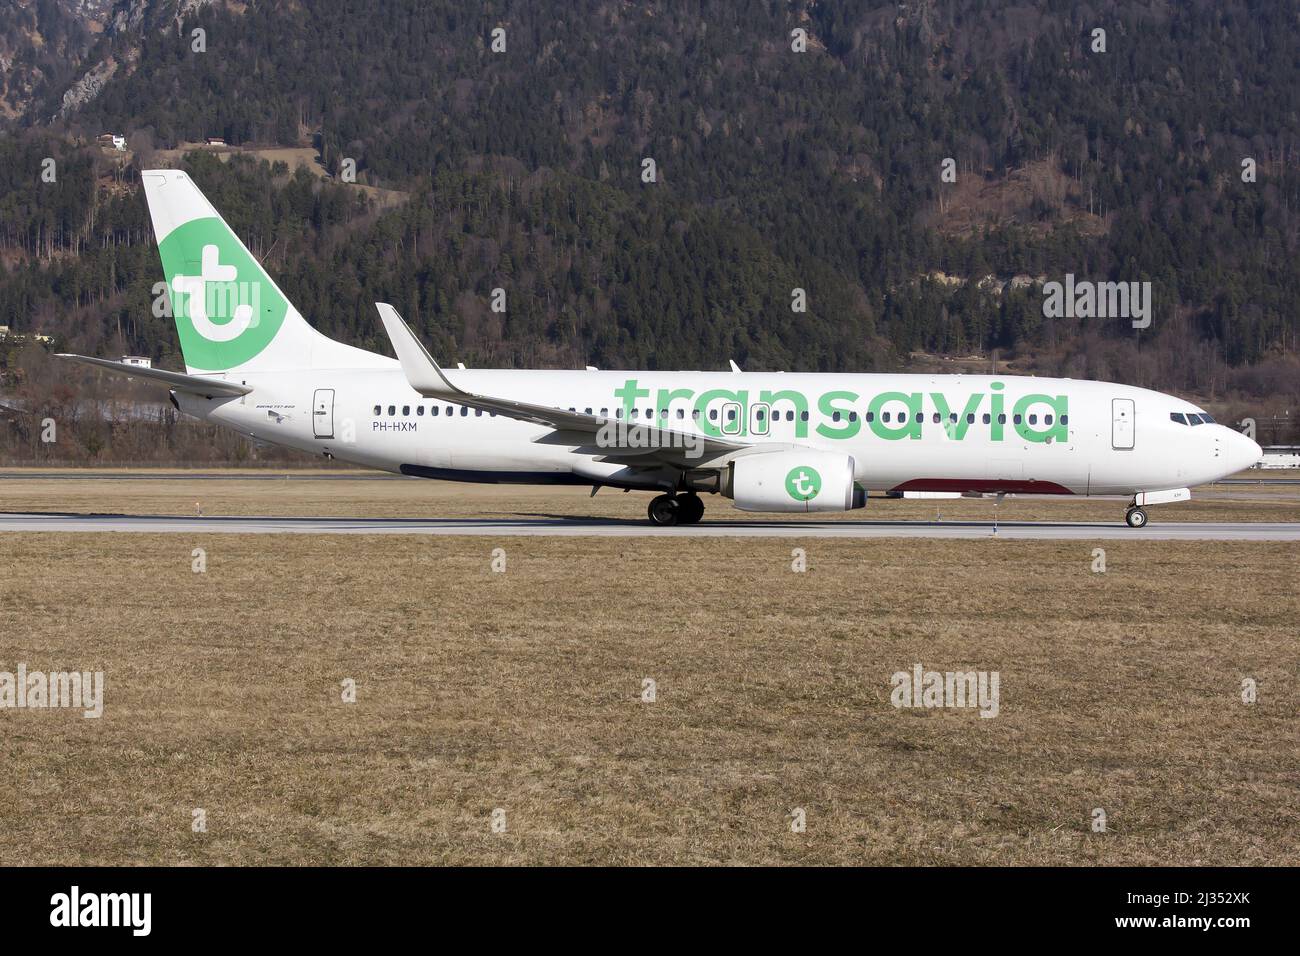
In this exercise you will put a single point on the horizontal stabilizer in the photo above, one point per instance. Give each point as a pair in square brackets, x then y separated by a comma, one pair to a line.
[178, 381]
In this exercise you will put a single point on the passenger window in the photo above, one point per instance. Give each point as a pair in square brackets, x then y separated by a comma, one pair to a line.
[835, 417]
[970, 418]
[731, 414]
[1033, 419]
[681, 413]
[478, 413]
[449, 411]
[1002, 419]
[378, 409]
[586, 411]
[919, 418]
[618, 413]
[885, 417]
[853, 416]
[695, 414]
[1047, 419]
[663, 413]
[759, 414]
[464, 411]
[1065, 419]
[1016, 419]
[935, 418]
[419, 409]
[604, 413]
[636, 413]
[987, 418]
[803, 416]
[713, 414]
[789, 416]
[871, 416]
[392, 409]
[433, 411]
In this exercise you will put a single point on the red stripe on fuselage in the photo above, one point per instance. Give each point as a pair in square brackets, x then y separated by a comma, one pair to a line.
[996, 485]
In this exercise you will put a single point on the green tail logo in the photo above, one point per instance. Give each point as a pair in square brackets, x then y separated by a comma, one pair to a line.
[227, 310]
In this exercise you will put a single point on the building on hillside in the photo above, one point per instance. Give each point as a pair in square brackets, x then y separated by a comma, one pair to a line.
[214, 141]
[111, 141]
[139, 361]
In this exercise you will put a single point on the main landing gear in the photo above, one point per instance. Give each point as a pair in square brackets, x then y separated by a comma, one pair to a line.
[675, 509]
[1135, 517]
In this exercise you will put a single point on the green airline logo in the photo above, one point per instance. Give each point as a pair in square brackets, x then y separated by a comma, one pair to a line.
[226, 309]
[803, 483]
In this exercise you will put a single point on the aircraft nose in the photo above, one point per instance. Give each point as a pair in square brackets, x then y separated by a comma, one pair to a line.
[1242, 452]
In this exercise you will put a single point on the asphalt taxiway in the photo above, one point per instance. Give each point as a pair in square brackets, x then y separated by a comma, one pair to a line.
[564, 526]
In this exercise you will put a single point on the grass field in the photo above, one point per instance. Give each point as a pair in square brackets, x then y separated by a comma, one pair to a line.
[522, 691]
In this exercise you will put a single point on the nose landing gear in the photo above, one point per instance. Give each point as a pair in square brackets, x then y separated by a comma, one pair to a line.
[1135, 517]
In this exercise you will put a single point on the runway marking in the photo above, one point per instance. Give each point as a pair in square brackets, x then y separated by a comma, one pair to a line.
[564, 526]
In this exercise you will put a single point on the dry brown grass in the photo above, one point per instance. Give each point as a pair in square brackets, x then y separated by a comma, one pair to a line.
[522, 691]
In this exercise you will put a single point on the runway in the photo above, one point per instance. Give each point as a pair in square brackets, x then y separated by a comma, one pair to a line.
[544, 525]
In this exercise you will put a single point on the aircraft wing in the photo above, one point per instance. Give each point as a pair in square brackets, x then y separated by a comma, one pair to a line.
[195, 384]
[427, 378]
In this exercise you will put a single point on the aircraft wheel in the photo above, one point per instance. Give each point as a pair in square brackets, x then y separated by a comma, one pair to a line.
[663, 511]
[690, 509]
[1135, 518]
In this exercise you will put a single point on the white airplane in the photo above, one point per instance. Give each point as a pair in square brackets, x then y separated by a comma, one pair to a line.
[771, 442]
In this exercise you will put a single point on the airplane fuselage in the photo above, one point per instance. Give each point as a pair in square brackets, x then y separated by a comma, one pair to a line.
[955, 433]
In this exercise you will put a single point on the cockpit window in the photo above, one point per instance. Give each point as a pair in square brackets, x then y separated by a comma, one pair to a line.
[1177, 417]
[1193, 418]
[1207, 419]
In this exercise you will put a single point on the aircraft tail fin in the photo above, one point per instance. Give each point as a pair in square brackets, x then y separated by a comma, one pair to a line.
[230, 315]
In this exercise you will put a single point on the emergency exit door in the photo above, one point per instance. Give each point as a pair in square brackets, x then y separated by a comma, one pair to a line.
[1121, 423]
[322, 414]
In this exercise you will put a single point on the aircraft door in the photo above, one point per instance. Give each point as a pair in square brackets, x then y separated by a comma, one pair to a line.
[322, 413]
[1121, 423]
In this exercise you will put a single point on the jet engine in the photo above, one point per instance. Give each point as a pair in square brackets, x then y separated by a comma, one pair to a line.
[793, 481]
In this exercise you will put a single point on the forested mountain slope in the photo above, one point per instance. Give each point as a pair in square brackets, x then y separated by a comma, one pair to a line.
[776, 170]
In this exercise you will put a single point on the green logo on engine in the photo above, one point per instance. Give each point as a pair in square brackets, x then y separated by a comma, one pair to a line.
[803, 483]
[226, 309]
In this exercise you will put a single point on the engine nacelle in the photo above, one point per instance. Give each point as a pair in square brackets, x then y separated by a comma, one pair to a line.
[793, 481]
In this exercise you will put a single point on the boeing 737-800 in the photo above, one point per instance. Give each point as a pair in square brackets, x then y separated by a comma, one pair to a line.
[772, 442]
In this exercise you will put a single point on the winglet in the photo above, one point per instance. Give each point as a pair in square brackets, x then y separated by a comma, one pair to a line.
[421, 371]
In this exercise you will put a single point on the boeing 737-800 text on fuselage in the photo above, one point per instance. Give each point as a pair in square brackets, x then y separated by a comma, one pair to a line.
[776, 442]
